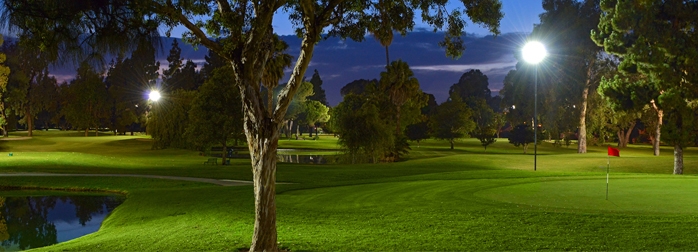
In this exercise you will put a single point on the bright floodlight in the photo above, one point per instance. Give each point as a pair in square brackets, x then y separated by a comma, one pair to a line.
[534, 52]
[154, 95]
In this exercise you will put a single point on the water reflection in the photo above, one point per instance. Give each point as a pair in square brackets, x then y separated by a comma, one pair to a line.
[306, 159]
[31, 222]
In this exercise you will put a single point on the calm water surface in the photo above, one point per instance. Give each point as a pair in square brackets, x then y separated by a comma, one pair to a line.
[35, 221]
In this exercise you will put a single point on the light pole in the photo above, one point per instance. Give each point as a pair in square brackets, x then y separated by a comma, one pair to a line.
[534, 52]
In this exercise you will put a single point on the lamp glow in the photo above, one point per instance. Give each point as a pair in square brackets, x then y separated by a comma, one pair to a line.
[534, 52]
[154, 95]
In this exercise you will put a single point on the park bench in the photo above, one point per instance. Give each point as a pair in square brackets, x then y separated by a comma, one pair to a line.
[212, 161]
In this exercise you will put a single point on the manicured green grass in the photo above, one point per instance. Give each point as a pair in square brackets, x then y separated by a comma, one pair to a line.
[439, 199]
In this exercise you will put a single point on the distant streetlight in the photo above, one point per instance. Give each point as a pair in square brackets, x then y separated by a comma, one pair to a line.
[154, 95]
[534, 52]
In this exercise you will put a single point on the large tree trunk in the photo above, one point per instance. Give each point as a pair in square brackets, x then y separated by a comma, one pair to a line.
[310, 130]
[525, 148]
[262, 128]
[263, 141]
[624, 135]
[658, 132]
[30, 122]
[582, 146]
[87, 130]
[451, 144]
[298, 130]
[627, 134]
[678, 159]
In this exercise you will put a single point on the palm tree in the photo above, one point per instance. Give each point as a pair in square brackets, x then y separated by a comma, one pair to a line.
[399, 83]
[390, 16]
[274, 70]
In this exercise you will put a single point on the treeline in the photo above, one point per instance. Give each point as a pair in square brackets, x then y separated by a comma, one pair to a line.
[377, 118]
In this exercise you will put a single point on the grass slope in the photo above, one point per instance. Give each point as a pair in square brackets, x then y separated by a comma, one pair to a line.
[439, 199]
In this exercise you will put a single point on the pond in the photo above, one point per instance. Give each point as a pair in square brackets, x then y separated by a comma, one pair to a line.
[28, 222]
[306, 159]
[302, 156]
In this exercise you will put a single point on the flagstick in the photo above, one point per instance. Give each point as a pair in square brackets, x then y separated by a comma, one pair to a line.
[608, 165]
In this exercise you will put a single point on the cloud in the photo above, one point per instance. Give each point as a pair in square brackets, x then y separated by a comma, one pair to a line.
[485, 67]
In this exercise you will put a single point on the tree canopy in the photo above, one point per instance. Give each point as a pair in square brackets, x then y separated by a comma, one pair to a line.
[240, 32]
[658, 44]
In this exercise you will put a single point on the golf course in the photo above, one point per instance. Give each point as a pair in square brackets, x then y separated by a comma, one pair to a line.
[437, 199]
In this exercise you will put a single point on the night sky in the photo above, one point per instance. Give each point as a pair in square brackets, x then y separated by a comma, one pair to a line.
[340, 62]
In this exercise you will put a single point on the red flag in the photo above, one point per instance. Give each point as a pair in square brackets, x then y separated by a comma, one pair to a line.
[613, 151]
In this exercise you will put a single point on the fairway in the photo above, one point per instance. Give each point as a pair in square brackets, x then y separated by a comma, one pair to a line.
[642, 195]
[436, 200]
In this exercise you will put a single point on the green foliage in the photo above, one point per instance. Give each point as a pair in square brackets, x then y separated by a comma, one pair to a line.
[4, 74]
[417, 132]
[318, 91]
[486, 126]
[521, 135]
[362, 129]
[357, 87]
[599, 117]
[247, 29]
[216, 115]
[402, 90]
[274, 69]
[314, 112]
[472, 85]
[85, 105]
[168, 119]
[657, 42]
[451, 120]
[128, 81]
[680, 122]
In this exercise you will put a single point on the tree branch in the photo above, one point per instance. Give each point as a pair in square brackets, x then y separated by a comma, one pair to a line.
[204, 40]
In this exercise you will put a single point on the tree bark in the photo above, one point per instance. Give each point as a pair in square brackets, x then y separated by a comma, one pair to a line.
[262, 128]
[30, 122]
[289, 129]
[298, 130]
[582, 146]
[658, 133]
[263, 141]
[658, 130]
[678, 159]
[451, 144]
[87, 130]
[627, 133]
[525, 148]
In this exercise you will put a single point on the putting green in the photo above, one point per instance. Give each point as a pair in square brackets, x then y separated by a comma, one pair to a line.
[628, 195]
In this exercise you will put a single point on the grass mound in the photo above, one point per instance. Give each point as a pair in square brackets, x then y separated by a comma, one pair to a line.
[642, 195]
